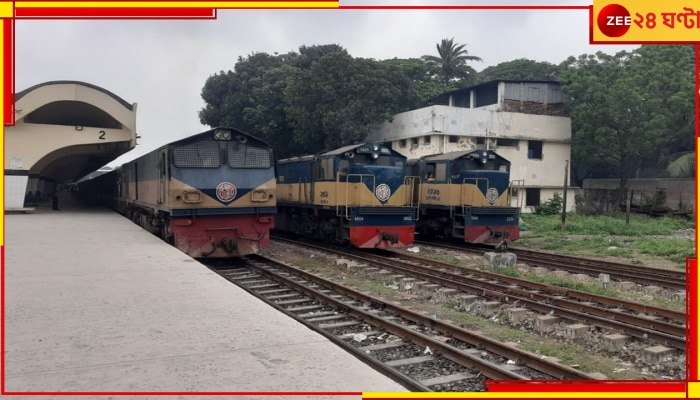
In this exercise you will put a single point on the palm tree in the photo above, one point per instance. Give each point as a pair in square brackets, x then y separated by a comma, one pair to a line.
[452, 61]
[683, 166]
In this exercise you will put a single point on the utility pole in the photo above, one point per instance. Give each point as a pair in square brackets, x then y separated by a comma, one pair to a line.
[566, 187]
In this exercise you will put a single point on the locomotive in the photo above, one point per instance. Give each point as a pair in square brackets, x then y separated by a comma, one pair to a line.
[466, 195]
[211, 195]
[357, 195]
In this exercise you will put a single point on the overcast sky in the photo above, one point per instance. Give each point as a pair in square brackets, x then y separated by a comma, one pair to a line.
[163, 65]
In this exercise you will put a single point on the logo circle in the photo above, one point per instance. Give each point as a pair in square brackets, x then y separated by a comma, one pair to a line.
[383, 192]
[492, 195]
[612, 20]
[226, 191]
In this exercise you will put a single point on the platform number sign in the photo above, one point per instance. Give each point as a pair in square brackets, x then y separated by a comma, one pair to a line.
[102, 135]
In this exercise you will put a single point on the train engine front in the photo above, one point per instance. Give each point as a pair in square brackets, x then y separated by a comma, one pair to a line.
[211, 195]
[466, 194]
[358, 195]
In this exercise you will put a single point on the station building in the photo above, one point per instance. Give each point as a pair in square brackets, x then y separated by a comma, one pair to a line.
[63, 131]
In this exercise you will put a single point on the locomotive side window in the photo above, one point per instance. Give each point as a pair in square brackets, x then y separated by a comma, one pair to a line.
[197, 155]
[243, 155]
[343, 166]
[441, 172]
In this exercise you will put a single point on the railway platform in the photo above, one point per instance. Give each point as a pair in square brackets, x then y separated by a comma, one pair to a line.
[93, 303]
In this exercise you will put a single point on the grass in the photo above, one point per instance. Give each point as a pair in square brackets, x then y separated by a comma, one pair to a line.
[612, 224]
[610, 236]
[591, 287]
[442, 258]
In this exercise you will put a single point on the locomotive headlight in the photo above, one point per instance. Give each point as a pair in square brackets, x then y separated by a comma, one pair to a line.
[376, 148]
[484, 154]
[375, 155]
[222, 134]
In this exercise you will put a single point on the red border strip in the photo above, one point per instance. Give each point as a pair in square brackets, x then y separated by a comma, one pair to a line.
[8, 26]
[114, 12]
[691, 320]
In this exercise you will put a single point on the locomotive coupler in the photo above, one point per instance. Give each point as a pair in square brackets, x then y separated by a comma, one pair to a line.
[228, 244]
[392, 237]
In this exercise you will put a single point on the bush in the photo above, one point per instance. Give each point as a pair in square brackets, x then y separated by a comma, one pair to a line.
[551, 206]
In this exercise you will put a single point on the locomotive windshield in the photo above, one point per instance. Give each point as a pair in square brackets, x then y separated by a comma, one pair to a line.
[207, 154]
[245, 155]
[491, 164]
[204, 154]
[382, 160]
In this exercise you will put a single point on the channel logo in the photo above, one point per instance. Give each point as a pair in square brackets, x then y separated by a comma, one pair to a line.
[614, 20]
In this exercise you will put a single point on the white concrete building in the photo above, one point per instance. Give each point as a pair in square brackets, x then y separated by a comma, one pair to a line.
[524, 121]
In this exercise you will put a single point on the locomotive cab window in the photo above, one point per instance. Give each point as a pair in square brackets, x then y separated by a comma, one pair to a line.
[246, 155]
[203, 154]
[343, 166]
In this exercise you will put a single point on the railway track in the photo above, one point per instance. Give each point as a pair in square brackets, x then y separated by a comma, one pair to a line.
[659, 325]
[665, 278]
[422, 353]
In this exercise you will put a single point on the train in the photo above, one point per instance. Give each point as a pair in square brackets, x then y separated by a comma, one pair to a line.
[359, 196]
[211, 195]
[466, 195]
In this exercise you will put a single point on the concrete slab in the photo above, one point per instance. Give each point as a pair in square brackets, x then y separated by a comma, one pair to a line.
[95, 303]
[616, 341]
[658, 353]
[543, 322]
[575, 331]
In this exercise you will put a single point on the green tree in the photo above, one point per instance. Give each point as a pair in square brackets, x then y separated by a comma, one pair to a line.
[521, 69]
[682, 166]
[337, 100]
[423, 84]
[302, 103]
[451, 62]
[627, 109]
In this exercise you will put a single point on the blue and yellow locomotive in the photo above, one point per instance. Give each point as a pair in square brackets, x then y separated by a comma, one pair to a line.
[358, 195]
[466, 194]
[211, 195]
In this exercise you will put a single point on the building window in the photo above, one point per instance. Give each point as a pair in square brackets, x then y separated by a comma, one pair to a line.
[507, 142]
[454, 139]
[402, 143]
[534, 149]
[426, 140]
[532, 197]
[414, 141]
[513, 192]
[481, 140]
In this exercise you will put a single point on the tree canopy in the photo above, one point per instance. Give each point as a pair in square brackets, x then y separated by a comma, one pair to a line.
[317, 99]
[520, 70]
[630, 110]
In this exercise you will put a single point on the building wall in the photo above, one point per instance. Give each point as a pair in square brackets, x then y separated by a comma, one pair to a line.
[508, 133]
